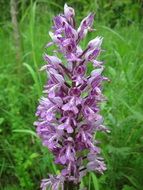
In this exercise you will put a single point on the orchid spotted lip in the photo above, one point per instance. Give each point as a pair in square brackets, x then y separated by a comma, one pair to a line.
[69, 113]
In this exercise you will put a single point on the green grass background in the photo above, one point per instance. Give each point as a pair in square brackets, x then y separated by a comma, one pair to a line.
[23, 159]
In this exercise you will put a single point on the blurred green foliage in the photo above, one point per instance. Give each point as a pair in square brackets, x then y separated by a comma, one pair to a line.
[111, 12]
[23, 160]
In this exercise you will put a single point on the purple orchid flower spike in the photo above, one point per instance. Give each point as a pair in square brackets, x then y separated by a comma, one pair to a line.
[69, 113]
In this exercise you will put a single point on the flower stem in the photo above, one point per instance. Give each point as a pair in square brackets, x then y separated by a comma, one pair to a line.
[70, 186]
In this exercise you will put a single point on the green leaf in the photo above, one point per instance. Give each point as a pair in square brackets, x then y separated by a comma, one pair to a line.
[1, 120]
[25, 131]
[95, 181]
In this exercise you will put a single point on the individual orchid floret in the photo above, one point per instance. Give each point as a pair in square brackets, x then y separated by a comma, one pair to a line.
[85, 25]
[54, 183]
[69, 112]
[95, 43]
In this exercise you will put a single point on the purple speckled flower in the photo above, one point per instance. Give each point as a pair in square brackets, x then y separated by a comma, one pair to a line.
[69, 113]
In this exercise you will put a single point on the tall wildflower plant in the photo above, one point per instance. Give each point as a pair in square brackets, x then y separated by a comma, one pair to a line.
[69, 113]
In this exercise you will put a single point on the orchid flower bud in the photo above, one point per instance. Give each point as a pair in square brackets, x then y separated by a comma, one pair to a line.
[68, 12]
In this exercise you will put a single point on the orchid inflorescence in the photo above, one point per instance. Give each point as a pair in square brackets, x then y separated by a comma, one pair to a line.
[69, 113]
